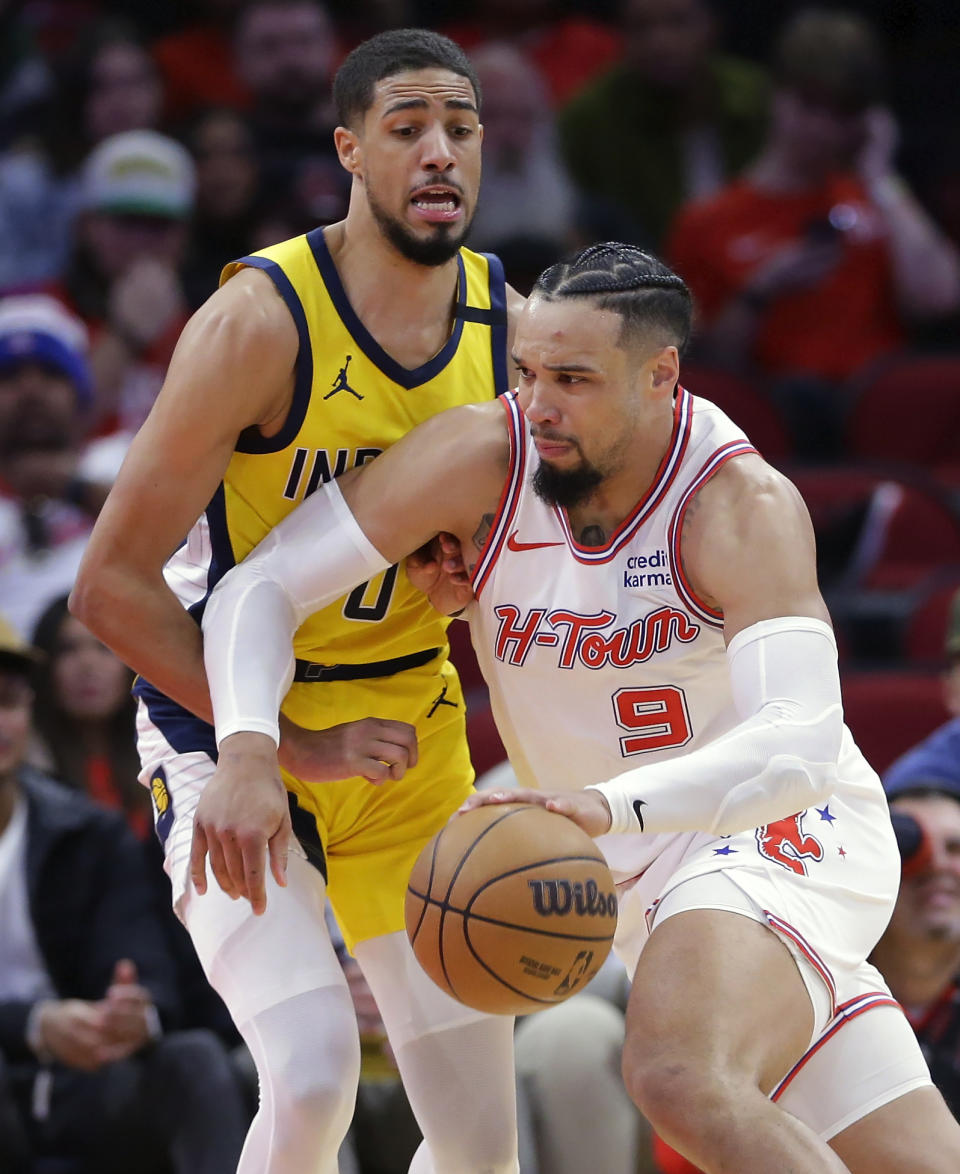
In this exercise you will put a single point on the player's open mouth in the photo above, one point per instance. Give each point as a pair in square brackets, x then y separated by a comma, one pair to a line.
[437, 204]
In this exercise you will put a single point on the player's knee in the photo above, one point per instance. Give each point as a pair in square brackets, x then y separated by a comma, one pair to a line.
[675, 1095]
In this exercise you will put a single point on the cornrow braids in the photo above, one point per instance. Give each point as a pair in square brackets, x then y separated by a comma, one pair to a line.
[652, 300]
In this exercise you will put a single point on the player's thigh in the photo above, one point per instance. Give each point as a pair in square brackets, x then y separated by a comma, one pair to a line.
[716, 989]
[255, 962]
[915, 1134]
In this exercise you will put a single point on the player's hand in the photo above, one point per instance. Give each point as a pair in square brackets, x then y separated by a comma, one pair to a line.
[587, 809]
[437, 570]
[242, 815]
[374, 748]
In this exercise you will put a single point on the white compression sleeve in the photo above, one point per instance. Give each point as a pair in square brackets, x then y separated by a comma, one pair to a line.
[313, 557]
[778, 760]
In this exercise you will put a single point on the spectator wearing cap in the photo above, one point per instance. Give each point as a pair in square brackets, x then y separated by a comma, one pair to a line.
[818, 260]
[105, 83]
[51, 486]
[124, 279]
[919, 955]
[96, 1070]
[937, 757]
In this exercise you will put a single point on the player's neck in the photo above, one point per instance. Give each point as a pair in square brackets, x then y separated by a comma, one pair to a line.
[594, 521]
[406, 307]
[375, 274]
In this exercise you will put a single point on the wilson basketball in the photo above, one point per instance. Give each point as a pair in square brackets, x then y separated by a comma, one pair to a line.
[511, 908]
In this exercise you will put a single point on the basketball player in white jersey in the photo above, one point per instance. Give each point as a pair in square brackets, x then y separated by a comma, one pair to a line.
[648, 618]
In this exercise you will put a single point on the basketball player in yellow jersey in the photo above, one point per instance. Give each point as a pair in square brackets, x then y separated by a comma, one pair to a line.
[313, 356]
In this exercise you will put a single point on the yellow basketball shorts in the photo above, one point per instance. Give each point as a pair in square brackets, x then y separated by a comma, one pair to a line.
[372, 834]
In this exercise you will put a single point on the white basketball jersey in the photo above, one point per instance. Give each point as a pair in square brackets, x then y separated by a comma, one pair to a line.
[600, 659]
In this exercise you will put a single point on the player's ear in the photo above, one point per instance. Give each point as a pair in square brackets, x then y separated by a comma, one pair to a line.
[665, 368]
[347, 143]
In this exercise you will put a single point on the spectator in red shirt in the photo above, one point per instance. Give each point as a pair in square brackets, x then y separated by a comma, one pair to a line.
[818, 259]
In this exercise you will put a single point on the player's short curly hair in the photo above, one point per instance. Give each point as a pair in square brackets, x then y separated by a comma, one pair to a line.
[650, 298]
[385, 54]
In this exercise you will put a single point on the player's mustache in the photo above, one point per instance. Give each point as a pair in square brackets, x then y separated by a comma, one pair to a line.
[553, 437]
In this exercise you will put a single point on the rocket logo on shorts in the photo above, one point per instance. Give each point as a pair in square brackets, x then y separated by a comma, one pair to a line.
[162, 803]
[786, 844]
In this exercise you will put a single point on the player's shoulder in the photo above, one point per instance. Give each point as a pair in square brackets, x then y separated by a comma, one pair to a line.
[747, 482]
[246, 312]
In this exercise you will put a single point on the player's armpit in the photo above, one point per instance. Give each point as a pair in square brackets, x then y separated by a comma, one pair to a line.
[747, 547]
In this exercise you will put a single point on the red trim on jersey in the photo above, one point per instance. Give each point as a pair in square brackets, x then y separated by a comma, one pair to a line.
[788, 931]
[509, 497]
[717, 459]
[844, 1015]
[663, 479]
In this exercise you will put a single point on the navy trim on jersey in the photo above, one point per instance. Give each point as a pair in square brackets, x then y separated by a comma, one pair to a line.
[252, 439]
[221, 550]
[185, 732]
[498, 332]
[365, 340]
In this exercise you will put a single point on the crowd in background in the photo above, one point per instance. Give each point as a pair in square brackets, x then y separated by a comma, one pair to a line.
[799, 166]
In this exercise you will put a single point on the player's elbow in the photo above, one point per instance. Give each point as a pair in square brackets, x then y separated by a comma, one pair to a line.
[96, 599]
[787, 784]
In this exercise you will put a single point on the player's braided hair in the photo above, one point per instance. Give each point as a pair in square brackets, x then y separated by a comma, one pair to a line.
[650, 298]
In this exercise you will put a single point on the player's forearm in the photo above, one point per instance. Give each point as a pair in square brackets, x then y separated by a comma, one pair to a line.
[779, 760]
[312, 558]
[147, 627]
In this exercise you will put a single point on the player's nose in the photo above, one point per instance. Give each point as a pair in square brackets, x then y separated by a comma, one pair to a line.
[436, 149]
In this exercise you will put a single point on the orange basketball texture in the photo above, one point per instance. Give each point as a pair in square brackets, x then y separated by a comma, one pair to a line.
[511, 908]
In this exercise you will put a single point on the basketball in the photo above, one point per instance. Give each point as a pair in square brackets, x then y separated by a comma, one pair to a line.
[511, 908]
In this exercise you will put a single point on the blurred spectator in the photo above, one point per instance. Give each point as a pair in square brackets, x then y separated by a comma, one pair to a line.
[49, 495]
[227, 211]
[25, 78]
[286, 51]
[87, 987]
[819, 259]
[197, 61]
[672, 122]
[526, 191]
[566, 46]
[106, 84]
[86, 716]
[919, 954]
[936, 759]
[137, 193]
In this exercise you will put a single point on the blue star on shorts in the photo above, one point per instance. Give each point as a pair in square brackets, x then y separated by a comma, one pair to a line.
[726, 850]
[824, 813]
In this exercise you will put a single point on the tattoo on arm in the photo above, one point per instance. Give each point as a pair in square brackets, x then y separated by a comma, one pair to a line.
[480, 537]
[592, 535]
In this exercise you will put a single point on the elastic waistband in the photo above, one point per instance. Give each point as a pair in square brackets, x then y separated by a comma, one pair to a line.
[306, 670]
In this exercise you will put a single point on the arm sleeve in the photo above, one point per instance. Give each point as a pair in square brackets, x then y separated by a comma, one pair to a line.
[781, 757]
[313, 557]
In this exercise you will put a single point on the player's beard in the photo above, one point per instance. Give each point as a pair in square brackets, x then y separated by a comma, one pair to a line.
[566, 487]
[436, 249]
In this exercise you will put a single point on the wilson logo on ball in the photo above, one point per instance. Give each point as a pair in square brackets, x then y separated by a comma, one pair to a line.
[560, 897]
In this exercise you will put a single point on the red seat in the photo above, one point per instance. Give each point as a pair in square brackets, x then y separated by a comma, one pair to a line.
[745, 403]
[887, 533]
[486, 749]
[926, 626]
[908, 410]
[888, 712]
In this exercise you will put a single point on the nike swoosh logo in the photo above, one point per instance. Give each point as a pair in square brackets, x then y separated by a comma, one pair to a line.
[514, 544]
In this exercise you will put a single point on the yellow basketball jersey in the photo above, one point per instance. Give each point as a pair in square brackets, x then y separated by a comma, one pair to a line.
[351, 401]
